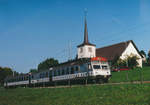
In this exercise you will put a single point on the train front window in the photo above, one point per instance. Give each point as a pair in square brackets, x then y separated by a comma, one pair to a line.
[105, 67]
[96, 67]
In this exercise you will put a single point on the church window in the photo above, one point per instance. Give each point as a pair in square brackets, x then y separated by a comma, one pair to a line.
[81, 50]
[90, 49]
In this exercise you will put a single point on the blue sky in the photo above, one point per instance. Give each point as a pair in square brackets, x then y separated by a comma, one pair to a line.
[33, 30]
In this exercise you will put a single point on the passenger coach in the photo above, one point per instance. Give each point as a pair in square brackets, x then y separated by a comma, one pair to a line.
[87, 70]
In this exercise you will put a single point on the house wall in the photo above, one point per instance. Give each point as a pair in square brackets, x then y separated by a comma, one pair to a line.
[131, 50]
[85, 53]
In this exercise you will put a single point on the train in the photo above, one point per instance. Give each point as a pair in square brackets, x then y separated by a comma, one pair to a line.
[79, 71]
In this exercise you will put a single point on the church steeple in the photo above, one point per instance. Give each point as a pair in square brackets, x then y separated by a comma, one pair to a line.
[86, 41]
[86, 49]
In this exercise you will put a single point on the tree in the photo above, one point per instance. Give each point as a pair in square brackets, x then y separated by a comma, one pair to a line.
[130, 61]
[148, 59]
[143, 53]
[149, 54]
[33, 70]
[4, 72]
[45, 65]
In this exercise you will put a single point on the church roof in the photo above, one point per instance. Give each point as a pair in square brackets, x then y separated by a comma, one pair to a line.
[116, 50]
[86, 41]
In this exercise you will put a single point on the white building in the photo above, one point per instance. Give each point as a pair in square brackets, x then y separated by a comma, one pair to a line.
[121, 50]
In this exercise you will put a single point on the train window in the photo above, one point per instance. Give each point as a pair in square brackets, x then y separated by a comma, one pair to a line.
[58, 71]
[77, 68]
[19, 79]
[43, 74]
[55, 73]
[104, 67]
[32, 76]
[26, 77]
[63, 71]
[96, 67]
[72, 70]
[46, 74]
[67, 71]
[22, 78]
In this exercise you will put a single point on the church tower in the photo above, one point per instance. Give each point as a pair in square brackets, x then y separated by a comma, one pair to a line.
[86, 49]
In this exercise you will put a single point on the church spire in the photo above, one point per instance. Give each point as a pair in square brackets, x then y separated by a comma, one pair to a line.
[86, 49]
[86, 41]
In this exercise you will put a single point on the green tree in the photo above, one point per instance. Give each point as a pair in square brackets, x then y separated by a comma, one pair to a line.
[148, 59]
[130, 61]
[143, 53]
[121, 62]
[149, 54]
[33, 70]
[4, 72]
[45, 65]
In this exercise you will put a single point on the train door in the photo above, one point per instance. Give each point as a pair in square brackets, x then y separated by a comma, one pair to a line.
[90, 70]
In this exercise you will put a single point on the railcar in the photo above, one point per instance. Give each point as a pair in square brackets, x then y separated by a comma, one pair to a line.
[85, 70]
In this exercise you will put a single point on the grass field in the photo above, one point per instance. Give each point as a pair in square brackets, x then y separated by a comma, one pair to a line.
[125, 94]
[129, 94]
[137, 74]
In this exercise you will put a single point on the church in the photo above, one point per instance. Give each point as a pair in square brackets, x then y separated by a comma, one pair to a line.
[121, 50]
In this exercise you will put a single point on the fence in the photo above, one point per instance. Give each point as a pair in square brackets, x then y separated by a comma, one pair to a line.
[133, 75]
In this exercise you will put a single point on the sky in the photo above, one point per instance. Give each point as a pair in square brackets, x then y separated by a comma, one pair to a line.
[34, 30]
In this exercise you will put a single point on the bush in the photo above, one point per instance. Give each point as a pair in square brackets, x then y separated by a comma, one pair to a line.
[130, 61]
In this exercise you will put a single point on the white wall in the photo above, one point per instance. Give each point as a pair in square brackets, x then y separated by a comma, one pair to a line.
[131, 50]
[85, 53]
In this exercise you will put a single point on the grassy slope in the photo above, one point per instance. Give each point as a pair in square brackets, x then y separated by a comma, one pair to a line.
[133, 75]
[90, 95]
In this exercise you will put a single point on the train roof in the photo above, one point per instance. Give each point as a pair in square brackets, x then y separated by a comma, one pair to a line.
[75, 62]
[19, 75]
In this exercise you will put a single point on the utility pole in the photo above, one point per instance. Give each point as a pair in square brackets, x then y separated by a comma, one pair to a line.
[70, 51]
[127, 62]
[13, 71]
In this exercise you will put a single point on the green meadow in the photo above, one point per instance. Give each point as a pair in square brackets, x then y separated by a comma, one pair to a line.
[127, 94]
[136, 74]
[107, 94]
